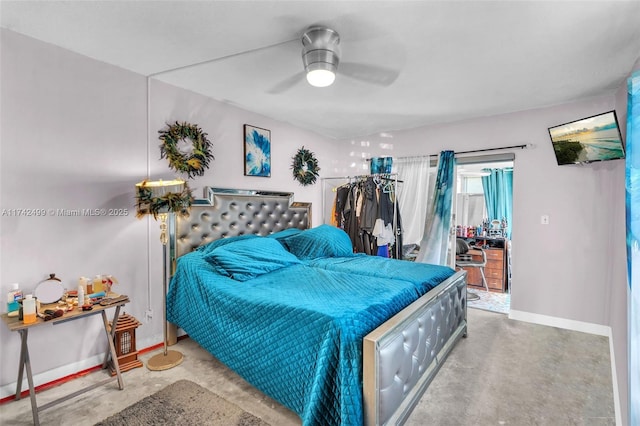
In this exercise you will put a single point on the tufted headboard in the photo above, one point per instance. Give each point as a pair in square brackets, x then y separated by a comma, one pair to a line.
[230, 212]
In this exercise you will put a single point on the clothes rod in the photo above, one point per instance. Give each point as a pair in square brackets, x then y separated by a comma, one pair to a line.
[487, 149]
[385, 176]
[466, 152]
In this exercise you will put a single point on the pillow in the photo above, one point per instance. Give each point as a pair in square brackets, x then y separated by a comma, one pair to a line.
[224, 241]
[248, 258]
[283, 235]
[321, 241]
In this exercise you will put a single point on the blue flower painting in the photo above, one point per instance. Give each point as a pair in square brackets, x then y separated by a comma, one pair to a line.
[257, 151]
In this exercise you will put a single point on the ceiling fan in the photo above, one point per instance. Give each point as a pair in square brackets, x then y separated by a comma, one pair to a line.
[321, 61]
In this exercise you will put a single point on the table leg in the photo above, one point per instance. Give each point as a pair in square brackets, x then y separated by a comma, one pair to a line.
[112, 348]
[25, 362]
[23, 349]
[116, 315]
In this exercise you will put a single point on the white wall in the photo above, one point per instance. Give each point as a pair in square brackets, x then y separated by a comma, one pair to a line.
[74, 135]
[572, 271]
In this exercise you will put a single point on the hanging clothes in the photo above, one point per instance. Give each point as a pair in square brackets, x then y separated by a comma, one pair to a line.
[341, 200]
[369, 206]
[367, 210]
[383, 230]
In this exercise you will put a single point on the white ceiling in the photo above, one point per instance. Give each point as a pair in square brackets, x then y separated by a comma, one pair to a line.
[448, 60]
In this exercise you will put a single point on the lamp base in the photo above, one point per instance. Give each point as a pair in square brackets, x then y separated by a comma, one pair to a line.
[164, 362]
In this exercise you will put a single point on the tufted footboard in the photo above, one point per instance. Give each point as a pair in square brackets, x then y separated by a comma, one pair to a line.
[403, 355]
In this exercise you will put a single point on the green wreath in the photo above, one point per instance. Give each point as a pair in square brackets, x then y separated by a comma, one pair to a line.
[193, 160]
[177, 202]
[305, 167]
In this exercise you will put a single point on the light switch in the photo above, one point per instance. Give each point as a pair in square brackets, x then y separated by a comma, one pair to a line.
[544, 219]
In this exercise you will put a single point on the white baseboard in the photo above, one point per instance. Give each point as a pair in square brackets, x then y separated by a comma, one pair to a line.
[50, 376]
[567, 324]
[584, 327]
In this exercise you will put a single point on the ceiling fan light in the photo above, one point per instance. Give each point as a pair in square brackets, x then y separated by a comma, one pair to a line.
[320, 55]
[321, 77]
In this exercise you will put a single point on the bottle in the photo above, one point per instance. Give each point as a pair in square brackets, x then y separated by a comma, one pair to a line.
[29, 309]
[97, 284]
[13, 298]
[82, 282]
[80, 296]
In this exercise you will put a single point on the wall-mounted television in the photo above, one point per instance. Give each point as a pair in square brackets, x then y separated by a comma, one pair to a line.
[595, 138]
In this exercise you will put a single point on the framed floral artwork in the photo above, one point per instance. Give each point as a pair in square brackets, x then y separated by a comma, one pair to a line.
[257, 151]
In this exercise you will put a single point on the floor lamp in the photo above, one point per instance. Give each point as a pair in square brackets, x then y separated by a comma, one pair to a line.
[161, 199]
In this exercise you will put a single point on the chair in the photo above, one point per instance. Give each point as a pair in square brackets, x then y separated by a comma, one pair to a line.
[464, 258]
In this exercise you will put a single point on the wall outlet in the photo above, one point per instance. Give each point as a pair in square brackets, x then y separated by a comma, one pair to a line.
[148, 315]
[544, 219]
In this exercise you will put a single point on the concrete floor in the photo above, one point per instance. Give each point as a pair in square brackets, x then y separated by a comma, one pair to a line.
[504, 373]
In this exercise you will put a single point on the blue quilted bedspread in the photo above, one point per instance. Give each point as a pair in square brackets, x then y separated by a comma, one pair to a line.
[423, 276]
[291, 329]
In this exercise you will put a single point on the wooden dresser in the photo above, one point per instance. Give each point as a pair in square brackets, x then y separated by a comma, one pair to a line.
[495, 271]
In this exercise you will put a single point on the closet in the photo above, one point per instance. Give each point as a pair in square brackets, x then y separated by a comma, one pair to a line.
[366, 208]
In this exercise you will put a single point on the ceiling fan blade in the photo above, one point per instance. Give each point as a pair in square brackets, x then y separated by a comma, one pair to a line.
[380, 76]
[286, 84]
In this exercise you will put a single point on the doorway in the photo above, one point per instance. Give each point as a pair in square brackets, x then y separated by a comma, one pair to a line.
[482, 216]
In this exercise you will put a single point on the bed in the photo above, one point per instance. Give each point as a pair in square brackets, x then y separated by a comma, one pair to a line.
[338, 338]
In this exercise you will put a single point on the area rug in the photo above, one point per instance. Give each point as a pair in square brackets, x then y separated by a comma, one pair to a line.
[183, 403]
[490, 301]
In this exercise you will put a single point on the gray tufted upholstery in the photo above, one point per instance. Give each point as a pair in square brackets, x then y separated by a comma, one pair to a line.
[229, 214]
[410, 353]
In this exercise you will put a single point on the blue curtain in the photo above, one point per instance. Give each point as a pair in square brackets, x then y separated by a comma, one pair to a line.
[632, 178]
[435, 242]
[498, 195]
